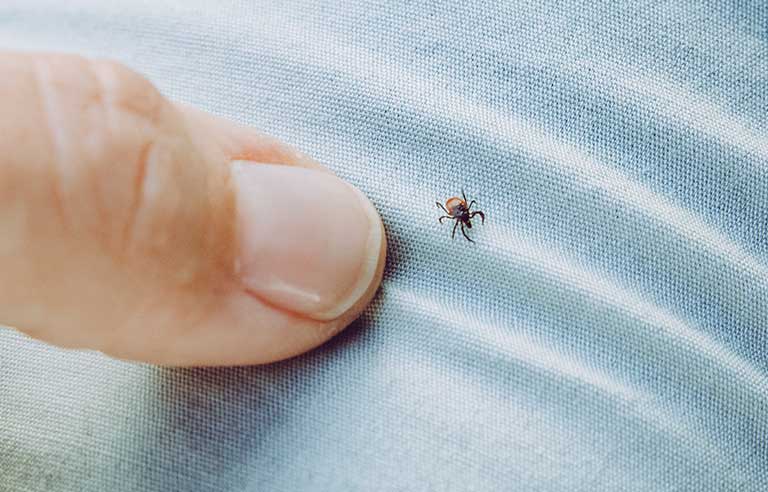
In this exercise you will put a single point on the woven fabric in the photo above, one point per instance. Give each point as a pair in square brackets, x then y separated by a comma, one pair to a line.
[608, 330]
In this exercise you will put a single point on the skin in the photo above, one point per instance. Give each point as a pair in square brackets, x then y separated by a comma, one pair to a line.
[130, 224]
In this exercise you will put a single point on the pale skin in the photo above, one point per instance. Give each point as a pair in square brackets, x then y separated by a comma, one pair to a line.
[155, 232]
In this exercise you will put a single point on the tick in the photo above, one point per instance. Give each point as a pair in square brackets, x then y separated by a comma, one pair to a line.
[458, 210]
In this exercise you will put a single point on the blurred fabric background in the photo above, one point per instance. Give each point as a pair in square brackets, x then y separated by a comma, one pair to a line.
[608, 330]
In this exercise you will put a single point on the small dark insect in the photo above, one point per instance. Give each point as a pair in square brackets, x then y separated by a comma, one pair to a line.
[458, 210]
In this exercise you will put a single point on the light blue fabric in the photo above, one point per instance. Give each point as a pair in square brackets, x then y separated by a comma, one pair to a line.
[609, 329]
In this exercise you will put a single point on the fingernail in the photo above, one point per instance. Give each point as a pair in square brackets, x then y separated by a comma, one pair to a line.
[308, 242]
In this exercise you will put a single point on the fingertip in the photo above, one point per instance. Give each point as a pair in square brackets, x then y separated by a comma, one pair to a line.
[308, 242]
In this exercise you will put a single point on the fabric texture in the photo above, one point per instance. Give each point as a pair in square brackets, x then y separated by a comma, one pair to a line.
[608, 330]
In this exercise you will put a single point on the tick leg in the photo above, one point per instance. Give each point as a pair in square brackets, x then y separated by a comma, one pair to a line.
[481, 214]
[444, 217]
[465, 233]
[453, 232]
[470, 205]
[440, 205]
[463, 195]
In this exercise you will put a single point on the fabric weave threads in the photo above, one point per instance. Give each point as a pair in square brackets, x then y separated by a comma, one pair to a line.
[609, 329]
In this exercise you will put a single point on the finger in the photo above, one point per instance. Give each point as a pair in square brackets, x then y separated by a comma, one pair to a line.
[159, 233]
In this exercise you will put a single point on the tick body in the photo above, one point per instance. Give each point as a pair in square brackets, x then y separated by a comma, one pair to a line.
[460, 211]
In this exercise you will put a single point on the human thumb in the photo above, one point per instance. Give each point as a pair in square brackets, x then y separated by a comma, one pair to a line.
[159, 233]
